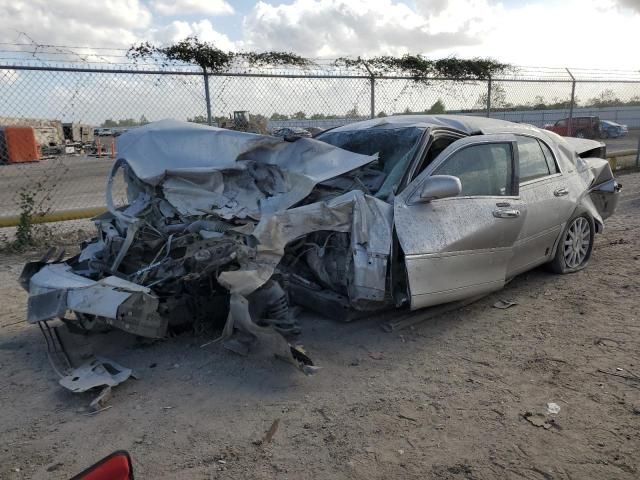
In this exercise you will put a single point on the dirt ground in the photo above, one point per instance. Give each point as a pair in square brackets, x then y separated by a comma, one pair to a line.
[444, 400]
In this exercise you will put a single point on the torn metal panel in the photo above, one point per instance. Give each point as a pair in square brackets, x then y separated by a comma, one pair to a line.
[129, 306]
[97, 299]
[97, 372]
[367, 218]
[46, 305]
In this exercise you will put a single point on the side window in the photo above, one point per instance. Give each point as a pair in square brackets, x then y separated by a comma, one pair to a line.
[551, 162]
[561, 123]
[483, 169]
[531, 160]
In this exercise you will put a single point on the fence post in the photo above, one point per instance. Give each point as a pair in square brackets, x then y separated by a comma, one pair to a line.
[489, 97]
[573, 99]
[372, 79]
[207, 97]
[373, 97]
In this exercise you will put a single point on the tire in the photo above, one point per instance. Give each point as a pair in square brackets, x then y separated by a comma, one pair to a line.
[580, 134]
[575, 245]
[605, 134]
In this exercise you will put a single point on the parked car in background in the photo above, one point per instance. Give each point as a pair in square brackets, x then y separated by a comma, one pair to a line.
[103, 132]
[581, 127]
[609, 129]
[291, 133]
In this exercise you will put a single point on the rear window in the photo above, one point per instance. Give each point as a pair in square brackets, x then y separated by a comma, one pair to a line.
[548, 155]
[531, 159]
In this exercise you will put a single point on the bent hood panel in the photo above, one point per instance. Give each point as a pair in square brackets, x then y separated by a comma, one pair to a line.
[233, 174]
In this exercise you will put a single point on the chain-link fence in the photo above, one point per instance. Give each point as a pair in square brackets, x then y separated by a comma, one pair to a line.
[59, 124]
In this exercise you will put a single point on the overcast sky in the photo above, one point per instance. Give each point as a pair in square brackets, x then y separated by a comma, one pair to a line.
[577, 33]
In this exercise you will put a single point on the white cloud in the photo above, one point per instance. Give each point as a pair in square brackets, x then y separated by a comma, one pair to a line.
[178, 30]
[542, 32]
[573, 33]
[62, 22]
[339, 27]
[189, 7]
[538, 32]
[633, 4]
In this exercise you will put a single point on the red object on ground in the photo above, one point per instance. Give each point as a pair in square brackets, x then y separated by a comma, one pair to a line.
[116, 466]
[19, 145]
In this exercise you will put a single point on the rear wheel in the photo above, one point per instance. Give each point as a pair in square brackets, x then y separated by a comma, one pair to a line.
[574, 248]
[580, 134]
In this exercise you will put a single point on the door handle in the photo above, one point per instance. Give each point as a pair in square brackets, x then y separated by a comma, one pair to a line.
[561, 192]
[506, 213]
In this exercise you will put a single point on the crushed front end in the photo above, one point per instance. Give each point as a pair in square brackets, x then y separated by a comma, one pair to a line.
[219, 225]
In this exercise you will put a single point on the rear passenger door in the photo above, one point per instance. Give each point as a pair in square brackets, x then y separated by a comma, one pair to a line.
[544, 190]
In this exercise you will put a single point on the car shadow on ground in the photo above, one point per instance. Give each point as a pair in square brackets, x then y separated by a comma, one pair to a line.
[212, 369]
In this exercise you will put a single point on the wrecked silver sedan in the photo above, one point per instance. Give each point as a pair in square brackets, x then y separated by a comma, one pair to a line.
[402, 212]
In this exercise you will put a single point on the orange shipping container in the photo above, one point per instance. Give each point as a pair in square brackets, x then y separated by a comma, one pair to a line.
[18, 144]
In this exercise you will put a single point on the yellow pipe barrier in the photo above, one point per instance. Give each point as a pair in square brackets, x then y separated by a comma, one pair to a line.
[58, 216]
[612, 157]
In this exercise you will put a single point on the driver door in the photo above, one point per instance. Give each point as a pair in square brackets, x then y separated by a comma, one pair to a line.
[459, 247]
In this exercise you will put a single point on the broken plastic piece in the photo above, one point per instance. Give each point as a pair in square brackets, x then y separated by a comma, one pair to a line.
[97, 372]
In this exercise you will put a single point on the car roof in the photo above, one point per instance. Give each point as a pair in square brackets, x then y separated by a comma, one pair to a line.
[465, 123]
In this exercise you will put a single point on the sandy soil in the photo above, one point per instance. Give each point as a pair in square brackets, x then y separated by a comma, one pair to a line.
[444, 400]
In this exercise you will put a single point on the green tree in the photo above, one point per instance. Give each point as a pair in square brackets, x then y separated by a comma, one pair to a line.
[381, 114]
[318, 116]
[300, 115]
[279, 116]
[538, 103]
[198, 119]
[634, 101]
[607, 98]
[498, 98]
[437, 107]
[353, 113]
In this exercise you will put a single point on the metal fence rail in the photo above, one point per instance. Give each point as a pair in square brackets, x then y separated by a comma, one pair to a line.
[53, 158]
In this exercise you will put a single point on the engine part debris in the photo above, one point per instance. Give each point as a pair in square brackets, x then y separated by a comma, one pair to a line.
[100, 402]
[97, 372]
[504, 304]
[553, 408]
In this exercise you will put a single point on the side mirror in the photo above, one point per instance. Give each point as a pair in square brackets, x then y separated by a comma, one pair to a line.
[116, 466]
[440, 186]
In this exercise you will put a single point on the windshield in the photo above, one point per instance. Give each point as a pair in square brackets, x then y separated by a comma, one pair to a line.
[395, 148]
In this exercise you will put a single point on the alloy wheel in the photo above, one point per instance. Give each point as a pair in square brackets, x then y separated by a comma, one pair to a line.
[576, 242]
